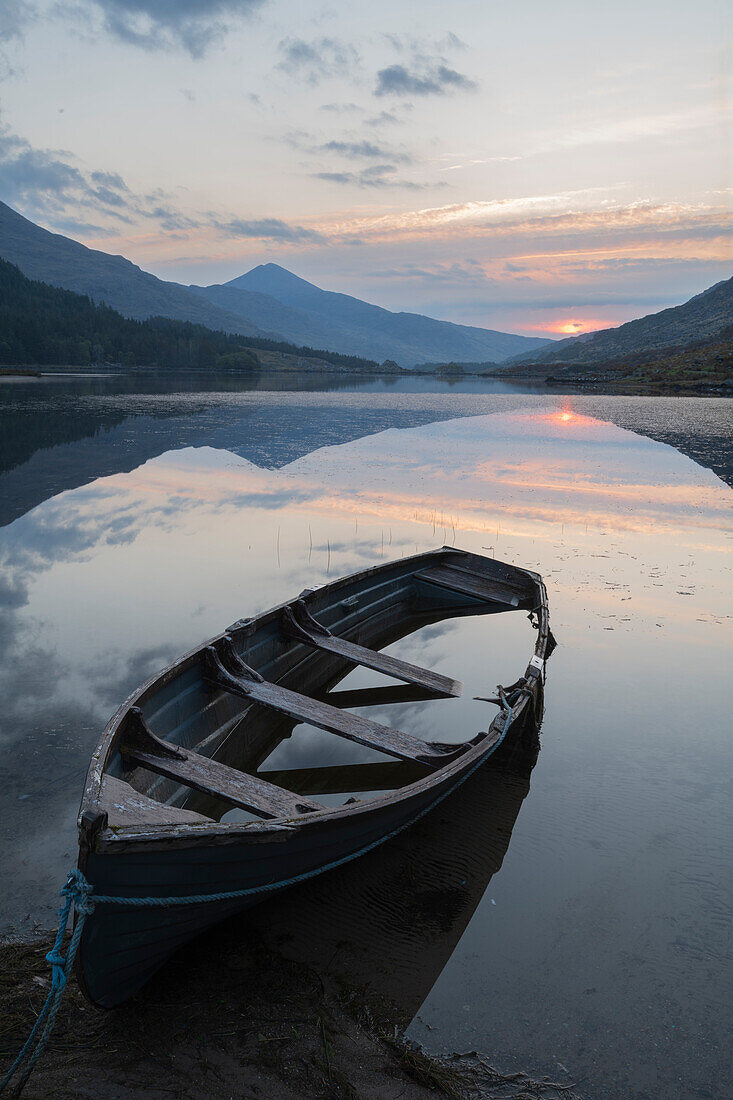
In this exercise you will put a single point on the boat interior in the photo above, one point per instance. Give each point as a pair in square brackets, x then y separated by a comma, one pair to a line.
[192, 744]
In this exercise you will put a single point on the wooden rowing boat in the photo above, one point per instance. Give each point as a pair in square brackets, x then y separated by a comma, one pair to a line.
[187, 748]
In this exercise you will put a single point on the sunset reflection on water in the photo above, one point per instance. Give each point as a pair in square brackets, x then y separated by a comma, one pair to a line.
[103, 584]
[602, 504]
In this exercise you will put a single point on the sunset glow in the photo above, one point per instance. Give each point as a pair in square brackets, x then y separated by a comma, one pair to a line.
[588, 200]
[346, 349]
[575, 326]
[571, 328]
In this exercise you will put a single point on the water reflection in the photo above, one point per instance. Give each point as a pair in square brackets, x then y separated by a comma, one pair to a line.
[386, 925]
[60, 435]
[612, 897]
[104, 584]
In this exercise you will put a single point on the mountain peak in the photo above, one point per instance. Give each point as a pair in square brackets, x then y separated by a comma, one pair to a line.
[340, 321]
[267, 278]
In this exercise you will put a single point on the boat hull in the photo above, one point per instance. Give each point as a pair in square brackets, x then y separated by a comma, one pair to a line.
[123, 947]
[145, 834]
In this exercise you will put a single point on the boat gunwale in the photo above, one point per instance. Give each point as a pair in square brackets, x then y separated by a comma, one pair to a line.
[146, 837]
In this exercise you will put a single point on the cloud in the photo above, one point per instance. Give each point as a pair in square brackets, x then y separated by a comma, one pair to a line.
[341, 108]
[358, 149]
[430, 79]
[384, 118]
[48, 180]
[352, 149]
[315, 60]
[16, 14]
[13, 592]
[48, 184]
[404, 43]
[637, 127]
[472, 162]
[109, 179]
[25, 170]
[447, 272]
[192, 25]
[272, 229]
[376, 176]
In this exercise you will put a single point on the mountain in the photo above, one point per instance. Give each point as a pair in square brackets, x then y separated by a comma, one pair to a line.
[700, 319]
[62, 262]
[355, 327]
[293, 324]
[42, 324]
[267, 302]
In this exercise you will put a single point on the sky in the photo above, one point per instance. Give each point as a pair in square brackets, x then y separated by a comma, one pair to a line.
[537, 168]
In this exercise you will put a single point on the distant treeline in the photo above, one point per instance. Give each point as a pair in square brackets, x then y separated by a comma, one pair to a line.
[456, 368]
[352, 362]
[43, 325]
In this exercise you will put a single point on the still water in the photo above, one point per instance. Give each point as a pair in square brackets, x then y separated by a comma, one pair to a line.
[572, 919]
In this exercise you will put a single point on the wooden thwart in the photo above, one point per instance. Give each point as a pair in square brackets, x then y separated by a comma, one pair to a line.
[141, 747]
[298, 623]
[471, 584]
[249, 684]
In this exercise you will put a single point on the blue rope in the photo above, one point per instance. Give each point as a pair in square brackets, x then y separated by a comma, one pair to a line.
[79, 892]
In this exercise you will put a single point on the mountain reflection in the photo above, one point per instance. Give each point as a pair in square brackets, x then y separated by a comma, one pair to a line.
[57, 436]
[102, 585]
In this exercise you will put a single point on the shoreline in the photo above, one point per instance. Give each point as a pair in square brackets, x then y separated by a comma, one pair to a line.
[237, 1020]
[555, 386]
[610, 388]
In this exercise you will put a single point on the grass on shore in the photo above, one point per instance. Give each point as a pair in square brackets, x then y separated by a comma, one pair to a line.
[699, 368]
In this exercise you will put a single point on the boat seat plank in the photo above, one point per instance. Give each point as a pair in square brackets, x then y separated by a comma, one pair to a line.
[471, 584]
[318, 713]
[298, 623]
[201, 773]
[126, 806]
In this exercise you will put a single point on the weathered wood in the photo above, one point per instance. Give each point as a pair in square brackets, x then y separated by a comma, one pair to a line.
[207, 775]
[304, 709]
[471, 584]
[126, 806]
[343, 778]
[137, 732]
[298, 623]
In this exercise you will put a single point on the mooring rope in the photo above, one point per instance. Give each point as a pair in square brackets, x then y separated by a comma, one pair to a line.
[79, 892]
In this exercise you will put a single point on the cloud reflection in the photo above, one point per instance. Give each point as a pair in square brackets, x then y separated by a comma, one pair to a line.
[104, 583]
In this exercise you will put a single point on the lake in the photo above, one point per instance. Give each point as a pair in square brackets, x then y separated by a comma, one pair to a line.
[571, 919]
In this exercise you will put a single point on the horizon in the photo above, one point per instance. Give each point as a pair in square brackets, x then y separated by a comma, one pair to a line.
[484, 171]
[563, 334]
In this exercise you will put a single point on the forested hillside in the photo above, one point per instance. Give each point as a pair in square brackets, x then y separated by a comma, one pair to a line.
[113, 280]
[41, 324]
